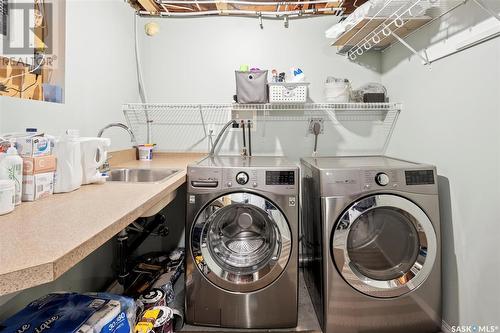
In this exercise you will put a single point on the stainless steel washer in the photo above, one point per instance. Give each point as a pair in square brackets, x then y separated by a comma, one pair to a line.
[242, 242]
[372, 240]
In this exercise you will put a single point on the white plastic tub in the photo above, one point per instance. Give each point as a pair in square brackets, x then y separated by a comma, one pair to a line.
[290, 92]
[7, 196]
[337, 92]
[145, 152]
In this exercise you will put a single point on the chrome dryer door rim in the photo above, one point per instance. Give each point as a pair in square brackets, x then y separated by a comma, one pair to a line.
[409, 280]
[210, 266]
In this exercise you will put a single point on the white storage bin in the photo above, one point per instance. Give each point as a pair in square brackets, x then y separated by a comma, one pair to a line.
[338, 91]
[288, 92]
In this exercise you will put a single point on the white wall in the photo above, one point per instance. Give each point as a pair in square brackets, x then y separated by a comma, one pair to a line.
[451, 118]
[193, 60]
[100, 75]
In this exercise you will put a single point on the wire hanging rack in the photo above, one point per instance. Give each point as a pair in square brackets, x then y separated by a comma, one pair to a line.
[394, 21]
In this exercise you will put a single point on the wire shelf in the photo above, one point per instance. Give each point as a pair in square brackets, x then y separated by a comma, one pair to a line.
[395, 20]
[187, 127]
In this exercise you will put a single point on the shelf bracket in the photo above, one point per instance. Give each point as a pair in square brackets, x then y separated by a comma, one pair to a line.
[409, 47]
[261, 24]
[487, 9]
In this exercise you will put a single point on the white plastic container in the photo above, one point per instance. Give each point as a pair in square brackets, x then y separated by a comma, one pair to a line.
[290, 92]
[11, 168]
[145, 153]
[7, 196]
[94, 155]
[67, 149]
[338, 91]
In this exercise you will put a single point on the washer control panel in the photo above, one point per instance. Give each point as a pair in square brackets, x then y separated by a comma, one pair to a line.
[278, 181]
[280, 177]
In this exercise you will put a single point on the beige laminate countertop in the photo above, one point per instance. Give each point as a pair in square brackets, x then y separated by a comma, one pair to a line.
[41, 240]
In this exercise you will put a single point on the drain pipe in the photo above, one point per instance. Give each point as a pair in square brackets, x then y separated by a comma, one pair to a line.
[123, 271]
[244, 149]
[249, 138]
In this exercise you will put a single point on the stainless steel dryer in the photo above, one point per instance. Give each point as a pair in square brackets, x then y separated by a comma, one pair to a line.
[242, 242]
[372, 237]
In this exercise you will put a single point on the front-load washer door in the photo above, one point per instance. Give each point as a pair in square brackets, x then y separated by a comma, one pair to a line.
[384, 246]
[241, 242]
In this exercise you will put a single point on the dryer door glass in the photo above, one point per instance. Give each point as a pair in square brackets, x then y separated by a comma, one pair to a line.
[384, 245]
[241, 242]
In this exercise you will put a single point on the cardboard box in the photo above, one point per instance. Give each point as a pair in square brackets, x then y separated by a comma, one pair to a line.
[36, 165]
[33, 146]
[38, 186]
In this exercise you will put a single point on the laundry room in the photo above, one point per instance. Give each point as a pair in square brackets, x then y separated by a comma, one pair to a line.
[249, 166]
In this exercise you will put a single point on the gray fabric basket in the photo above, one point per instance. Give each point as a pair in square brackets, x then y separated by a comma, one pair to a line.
[251, 87]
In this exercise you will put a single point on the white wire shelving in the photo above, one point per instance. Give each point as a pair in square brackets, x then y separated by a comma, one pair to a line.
[190, 125]
[393, 22]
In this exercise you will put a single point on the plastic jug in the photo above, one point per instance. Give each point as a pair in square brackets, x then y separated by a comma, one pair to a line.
[94, 155]
[68, 176]
[11, 167]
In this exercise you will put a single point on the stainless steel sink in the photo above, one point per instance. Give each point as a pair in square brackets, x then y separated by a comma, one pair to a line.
[141, 175]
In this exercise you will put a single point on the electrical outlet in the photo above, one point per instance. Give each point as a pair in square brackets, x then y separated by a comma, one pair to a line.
[245, 115]
[313, 121]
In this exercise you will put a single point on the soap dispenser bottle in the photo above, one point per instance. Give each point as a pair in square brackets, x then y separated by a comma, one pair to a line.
[11, 167]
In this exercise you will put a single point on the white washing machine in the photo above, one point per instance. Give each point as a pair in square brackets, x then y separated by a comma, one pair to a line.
[242, 242]
[372, 242]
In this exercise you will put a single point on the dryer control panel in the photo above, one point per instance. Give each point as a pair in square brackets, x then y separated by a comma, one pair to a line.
[419, 177]
[381, 178]
[345, 182]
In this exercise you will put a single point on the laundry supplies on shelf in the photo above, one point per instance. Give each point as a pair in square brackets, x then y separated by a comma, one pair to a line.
[251, 86]
[337, 90]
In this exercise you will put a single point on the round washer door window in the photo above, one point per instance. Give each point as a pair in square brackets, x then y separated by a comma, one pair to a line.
[241, 242]
[384, 246]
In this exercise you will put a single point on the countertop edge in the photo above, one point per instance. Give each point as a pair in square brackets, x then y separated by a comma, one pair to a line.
[66, 262]
[53, 267]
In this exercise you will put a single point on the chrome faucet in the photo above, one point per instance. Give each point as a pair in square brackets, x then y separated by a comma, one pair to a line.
[125, 127]
[105, 167]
